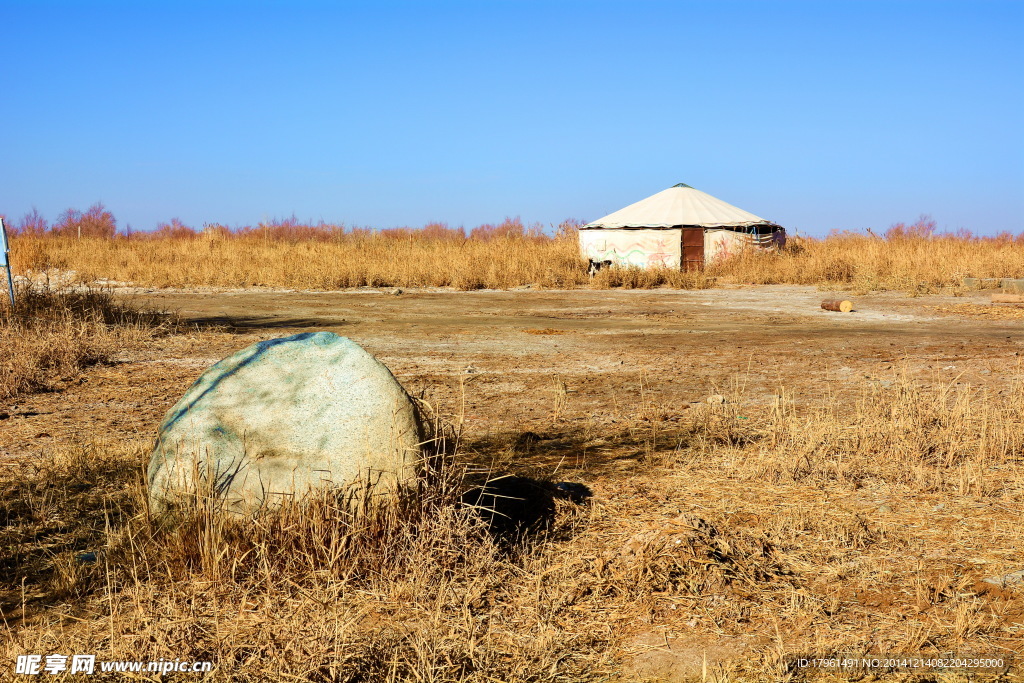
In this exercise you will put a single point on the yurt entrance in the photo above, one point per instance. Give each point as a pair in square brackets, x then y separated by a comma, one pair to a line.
[693, 248]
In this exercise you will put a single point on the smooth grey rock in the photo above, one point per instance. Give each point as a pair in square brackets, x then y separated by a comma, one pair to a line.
[281, 418]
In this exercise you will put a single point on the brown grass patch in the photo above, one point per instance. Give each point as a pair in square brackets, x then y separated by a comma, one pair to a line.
[347, 260]
[308, 592]
[912, 260]
[833, 527]
[545, 331]
[53, 333]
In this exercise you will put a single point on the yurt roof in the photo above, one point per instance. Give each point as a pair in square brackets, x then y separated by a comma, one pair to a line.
[679, 205]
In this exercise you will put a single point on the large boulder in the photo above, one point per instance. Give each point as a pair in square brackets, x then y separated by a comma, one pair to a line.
[281, 418]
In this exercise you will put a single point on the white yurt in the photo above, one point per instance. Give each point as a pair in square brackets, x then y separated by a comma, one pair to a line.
[680, 227]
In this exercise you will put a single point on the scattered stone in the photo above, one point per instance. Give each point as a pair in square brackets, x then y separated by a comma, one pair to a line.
[281, 418]
[396, 291]
[716, 399]
[885, 509]
[1011, 579]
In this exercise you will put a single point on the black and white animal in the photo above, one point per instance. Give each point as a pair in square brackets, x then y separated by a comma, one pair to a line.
[515, 506]
[595, 266]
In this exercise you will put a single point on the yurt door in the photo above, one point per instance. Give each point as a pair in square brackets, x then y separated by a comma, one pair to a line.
[693, 248]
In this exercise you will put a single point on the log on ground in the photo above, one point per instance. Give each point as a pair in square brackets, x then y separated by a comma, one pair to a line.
[842, 306]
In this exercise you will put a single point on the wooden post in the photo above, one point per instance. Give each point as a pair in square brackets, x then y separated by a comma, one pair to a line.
[843, 306]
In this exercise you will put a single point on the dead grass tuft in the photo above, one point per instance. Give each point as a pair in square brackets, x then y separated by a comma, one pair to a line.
[943, 437]
[650, 278]
[54, 332]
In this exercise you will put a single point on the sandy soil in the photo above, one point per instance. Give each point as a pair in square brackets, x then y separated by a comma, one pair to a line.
[517, 357]
[547, 362]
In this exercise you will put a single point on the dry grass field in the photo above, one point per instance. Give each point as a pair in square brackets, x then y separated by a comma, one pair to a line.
[770, 481]
[56, 332]
[290, 255]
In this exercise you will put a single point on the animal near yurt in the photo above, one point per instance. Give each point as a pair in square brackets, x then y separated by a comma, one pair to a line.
[681, 228]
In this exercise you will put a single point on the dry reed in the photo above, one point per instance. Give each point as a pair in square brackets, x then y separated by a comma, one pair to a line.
[912, 260]
[290, 255]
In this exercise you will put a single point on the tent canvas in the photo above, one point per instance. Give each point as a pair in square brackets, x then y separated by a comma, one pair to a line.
[680, 227]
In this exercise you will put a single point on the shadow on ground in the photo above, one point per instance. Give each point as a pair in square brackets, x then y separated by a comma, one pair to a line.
[545, 453]
[515, 507]
[242, 325]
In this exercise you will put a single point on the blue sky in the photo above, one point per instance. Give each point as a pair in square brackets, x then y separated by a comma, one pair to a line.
[817, 115]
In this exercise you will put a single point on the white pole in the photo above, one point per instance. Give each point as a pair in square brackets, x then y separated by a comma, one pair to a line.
[5, 261]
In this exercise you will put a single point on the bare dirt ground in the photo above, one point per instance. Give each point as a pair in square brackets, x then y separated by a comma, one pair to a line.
[520, 355]
[556, 364]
